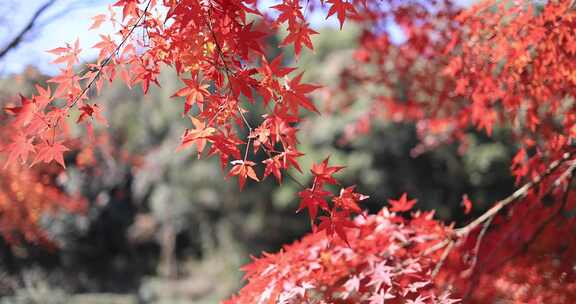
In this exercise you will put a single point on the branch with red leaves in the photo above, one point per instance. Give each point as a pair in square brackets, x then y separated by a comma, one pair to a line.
[486, 218]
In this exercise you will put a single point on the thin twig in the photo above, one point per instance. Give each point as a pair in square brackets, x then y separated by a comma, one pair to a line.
[479, 242]
[443, 258]
[243, 117]
[545, 223]
[436, 247]
[106, 61]
[227, 71]
[16, 40]
[103, 64]
[569, 172]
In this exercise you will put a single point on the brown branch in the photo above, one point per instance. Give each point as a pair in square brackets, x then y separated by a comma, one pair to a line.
[557, 183]
[443, 258]
[569, 173]
[479, 242]
[436, 247]
[518, 194]
[486, 218]
[20, 36]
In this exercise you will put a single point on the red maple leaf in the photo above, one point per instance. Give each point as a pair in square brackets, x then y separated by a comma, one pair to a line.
[250, 39]
[243, 169]
[97, 21]
[289, 11]
[340, 7]
[273, 166]
[68, 54]
[289, 159]
[48, 152]
[67, 84]
[106, 45]
[281, 161]
[295, 95]
[23, 113]
[95, 111]
[338, 222]
[312, 199]
[467, 203]
[44, 97]
[275, 68]
[198, 136]
[348, 200]
[299, 35]
[403, 204]
[129, 8]
[19, 149]
[225, 145]
[323, 173]
[381, 297]
[194, 93]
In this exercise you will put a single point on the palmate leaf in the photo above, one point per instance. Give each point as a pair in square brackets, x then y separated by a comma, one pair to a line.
[48, 152]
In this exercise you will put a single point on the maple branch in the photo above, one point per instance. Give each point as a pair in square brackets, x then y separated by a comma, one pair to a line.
[16, 40]
[107, 60]
[443, 258]
[551, 217]
[244, 119]
[568, 173]
[294, 179]
[567, 193]
[227, 71]
[103, 64]
[485, 219]
[436, 247]
[479, 242]
[518, 194]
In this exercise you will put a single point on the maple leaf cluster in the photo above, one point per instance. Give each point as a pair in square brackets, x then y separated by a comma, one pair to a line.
[382, 263]
[222, 61]
[340, 208]
[532, 78]
[535, 265]
[32, 193]
[29, 195]
[498, 64]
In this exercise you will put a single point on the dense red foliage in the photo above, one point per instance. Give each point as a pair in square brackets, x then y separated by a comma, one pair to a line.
[498, 64]
[26, 196]
[30, 196]
[384, 261]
